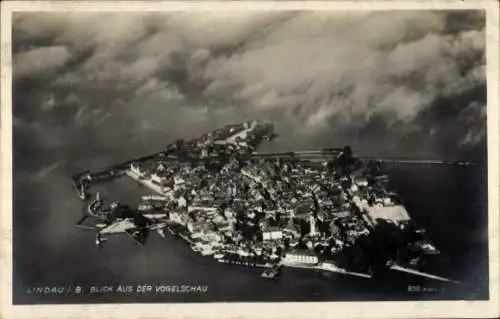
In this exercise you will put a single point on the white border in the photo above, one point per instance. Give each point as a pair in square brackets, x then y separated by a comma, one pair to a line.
[437, 309]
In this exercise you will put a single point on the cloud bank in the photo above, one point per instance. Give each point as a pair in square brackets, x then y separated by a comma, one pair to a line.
[393, 83]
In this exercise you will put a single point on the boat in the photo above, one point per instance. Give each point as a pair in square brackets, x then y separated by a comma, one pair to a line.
[271, 273]
[218, 255]
[206, 252]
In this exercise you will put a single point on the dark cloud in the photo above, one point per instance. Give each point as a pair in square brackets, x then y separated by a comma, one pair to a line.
[380, 81]
[38, 61]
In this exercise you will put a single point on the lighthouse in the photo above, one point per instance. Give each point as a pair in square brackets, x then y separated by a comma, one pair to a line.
[83, 192]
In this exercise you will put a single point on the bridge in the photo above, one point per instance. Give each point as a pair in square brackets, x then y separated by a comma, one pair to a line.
[330, 154]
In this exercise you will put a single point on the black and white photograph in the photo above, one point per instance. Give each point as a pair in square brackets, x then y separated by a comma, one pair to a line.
[250, 156]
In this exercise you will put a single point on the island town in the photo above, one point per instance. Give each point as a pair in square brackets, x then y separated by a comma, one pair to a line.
[323, 210]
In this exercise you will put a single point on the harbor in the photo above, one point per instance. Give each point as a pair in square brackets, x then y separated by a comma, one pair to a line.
[237, 206]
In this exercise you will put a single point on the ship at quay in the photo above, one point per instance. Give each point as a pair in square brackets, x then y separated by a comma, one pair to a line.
[324, 210]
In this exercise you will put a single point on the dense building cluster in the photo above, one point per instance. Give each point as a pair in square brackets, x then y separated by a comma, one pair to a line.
[250, 210]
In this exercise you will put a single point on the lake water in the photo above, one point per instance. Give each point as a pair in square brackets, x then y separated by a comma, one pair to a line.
[450, 202]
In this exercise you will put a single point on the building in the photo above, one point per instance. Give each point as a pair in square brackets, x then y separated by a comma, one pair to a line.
[155, 198]
[194, 226]
[182, 202]
[360, 181]
[211, 237]
[300, 257]
[291, 229]
[157, 179]
[175, 217]
[225, 226]
[136, 169]
[145, 208]
[272, 233]
[396, 213]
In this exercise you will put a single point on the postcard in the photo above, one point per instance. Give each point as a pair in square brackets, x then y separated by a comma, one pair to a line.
[250, 159]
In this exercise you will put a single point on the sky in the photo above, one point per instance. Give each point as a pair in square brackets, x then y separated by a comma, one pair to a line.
[406, 83]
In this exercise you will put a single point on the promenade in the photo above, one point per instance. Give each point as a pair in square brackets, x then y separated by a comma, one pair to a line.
[148, 183]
